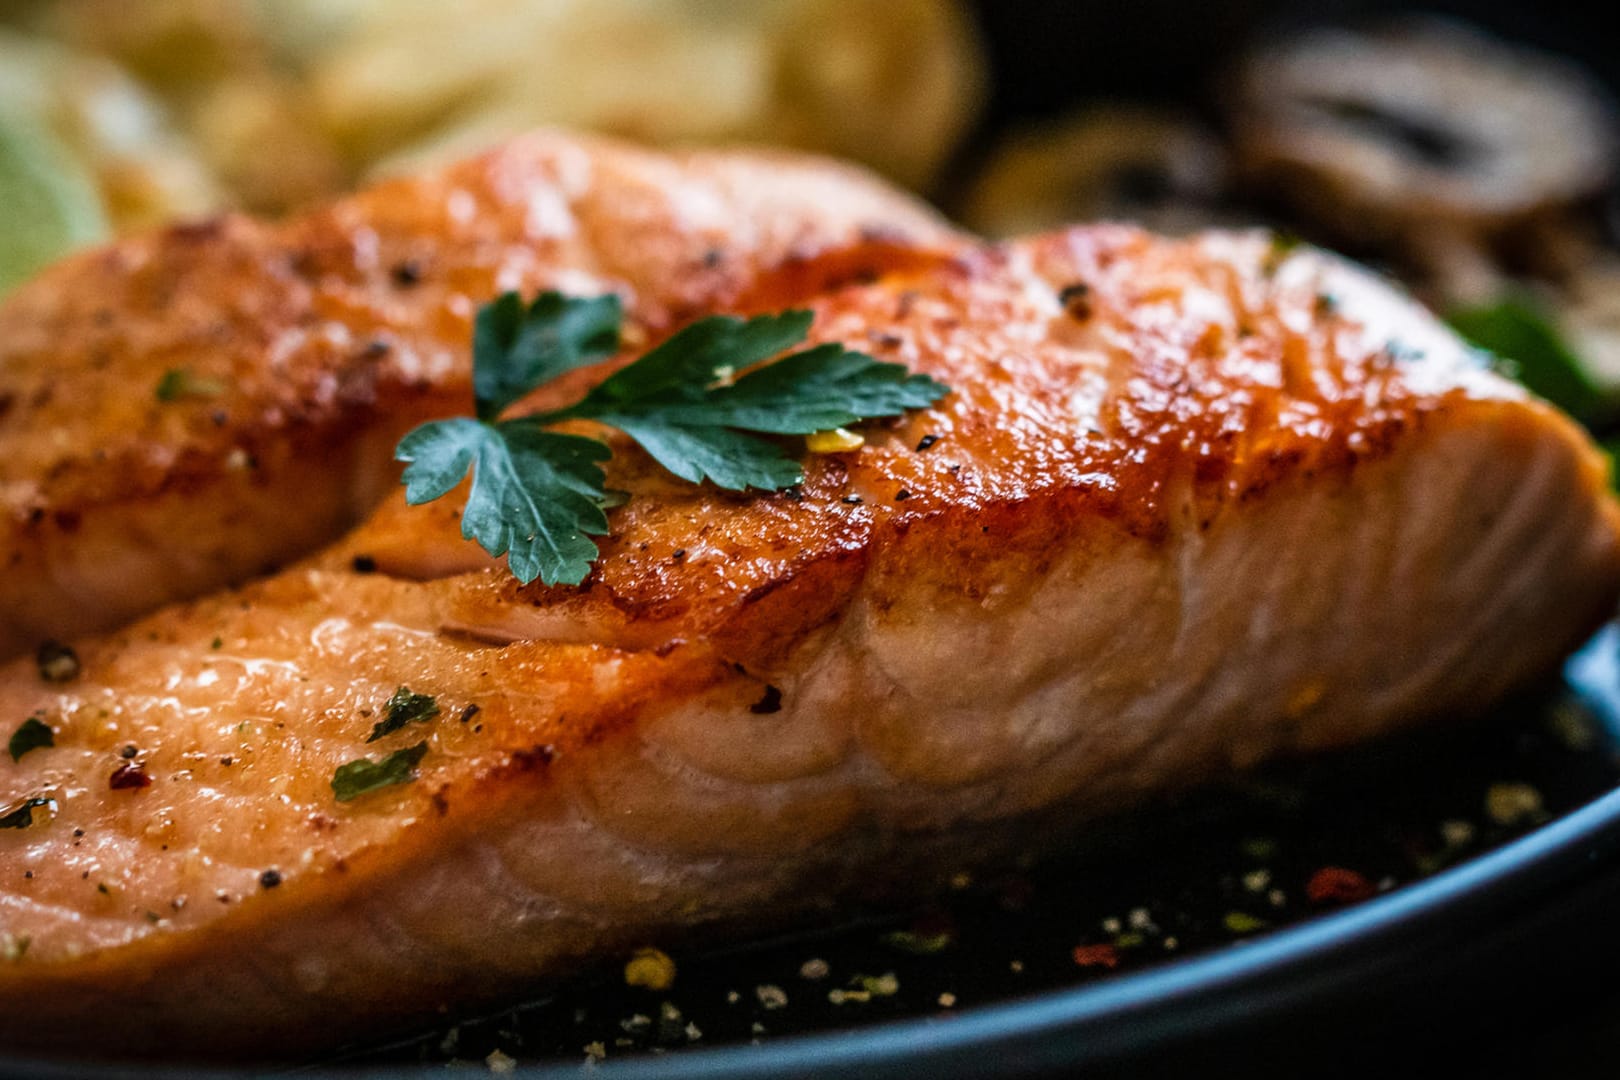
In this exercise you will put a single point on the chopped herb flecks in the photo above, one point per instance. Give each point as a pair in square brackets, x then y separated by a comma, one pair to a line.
[34, 734]
[178, 383]
[362, 776]
[28, 813]
[404, 707]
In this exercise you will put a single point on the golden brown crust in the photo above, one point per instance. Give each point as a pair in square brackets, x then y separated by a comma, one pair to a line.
[1103, 378]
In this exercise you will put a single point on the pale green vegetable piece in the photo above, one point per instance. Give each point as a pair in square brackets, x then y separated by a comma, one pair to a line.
[49, 204]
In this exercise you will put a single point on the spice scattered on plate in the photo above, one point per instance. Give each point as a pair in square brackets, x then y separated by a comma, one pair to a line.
[1088, 956]
[1510, 804]
[1337, 885]
[650, 968]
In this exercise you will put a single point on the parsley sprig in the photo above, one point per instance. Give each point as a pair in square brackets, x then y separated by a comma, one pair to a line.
[34, 734]
[538, 496]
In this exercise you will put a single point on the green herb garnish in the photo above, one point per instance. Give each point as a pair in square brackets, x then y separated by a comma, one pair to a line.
[538, 496]
[22, 816]
[405, 707]
[1283, 245]
[178, 383]
[1520, 332]
[363, 775]
[34, 734]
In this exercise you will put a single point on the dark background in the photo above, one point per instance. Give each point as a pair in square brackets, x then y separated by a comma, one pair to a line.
[1050, 54]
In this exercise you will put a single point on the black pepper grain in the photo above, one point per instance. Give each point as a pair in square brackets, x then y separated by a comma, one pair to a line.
[270, 878]
[926, 441]
[57, 662]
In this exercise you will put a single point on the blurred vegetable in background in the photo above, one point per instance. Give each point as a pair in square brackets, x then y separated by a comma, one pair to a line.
[50, 200]
[179, 107]
[83, 149]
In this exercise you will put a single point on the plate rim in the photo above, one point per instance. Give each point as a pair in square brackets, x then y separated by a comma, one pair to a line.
[1095, 1023]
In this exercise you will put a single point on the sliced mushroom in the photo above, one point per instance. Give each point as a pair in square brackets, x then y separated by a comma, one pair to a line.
[1120, 162]
[1424, 129]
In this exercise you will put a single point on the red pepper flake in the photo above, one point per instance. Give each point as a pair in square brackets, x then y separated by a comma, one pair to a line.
[1090, 956]
[1336, 885]
[128, 776]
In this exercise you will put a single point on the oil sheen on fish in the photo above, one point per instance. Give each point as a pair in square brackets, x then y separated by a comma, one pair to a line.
[165, 401]
[1190, 505]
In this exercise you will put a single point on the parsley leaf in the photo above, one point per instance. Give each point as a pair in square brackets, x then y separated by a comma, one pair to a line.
[538, 496]
[362, 776]
[34, 734]
[1519, 330]
[675, 403]
[404, 707]
[517, 349]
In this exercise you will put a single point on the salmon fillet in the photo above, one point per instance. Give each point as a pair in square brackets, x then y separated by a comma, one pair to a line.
[1189, 506]
[165, 400]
